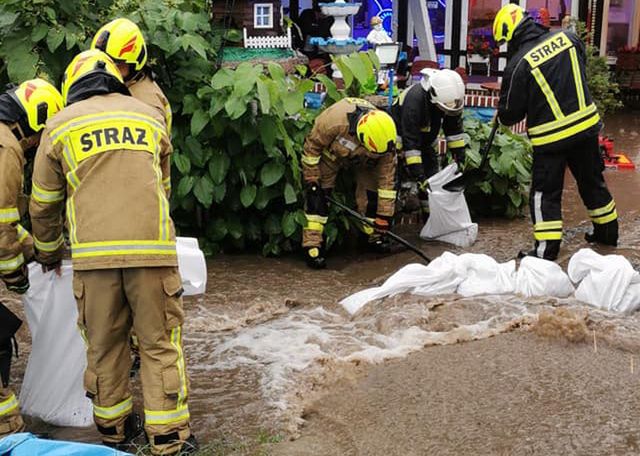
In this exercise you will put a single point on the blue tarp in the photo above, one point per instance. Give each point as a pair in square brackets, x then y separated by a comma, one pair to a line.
[482, 114]
[25, 444]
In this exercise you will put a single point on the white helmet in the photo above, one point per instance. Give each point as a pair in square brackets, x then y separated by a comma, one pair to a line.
[445, 88]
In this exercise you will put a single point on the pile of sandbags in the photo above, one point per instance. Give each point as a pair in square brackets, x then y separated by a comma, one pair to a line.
[607, 282]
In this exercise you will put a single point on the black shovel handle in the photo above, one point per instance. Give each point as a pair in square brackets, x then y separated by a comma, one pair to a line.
[390, 234]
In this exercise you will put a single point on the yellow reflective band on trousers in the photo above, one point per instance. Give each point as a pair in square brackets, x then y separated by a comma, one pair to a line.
[414, 160]
[310, 160]
[548, 231]
[386, 194]
[548, 93]
[604, 214]
[314, 226]
[316, 218]
[22, 233]
[181, 412]
[9, 405]
[111, 248]
[577, 77]
[571, 118]
[115, 411]
[46, 196]
[566, 133]
[11, 264]
[48, 247]
[9, 215]
[177, 415]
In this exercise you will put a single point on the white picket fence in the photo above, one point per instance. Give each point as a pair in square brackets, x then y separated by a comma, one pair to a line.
[267, 41]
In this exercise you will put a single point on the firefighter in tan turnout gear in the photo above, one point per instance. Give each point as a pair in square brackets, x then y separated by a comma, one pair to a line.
[23, 113]
[350, 134]
[545, 81]
[123, 41]
[105, 155]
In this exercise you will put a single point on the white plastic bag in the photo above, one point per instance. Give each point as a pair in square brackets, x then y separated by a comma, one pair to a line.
[53, 382]
[52, 388]
[538, 277]
[192, 265]
[449, 219]
[607, 282]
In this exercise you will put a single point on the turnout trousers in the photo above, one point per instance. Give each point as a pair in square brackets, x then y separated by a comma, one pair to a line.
[586, 166]
[10, 419]
[148, 300]
[317, 209]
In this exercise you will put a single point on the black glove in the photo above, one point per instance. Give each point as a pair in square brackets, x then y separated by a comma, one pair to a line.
[459, 156]
[17, 281]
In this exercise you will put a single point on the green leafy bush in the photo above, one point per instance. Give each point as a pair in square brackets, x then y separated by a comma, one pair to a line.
[504, 187]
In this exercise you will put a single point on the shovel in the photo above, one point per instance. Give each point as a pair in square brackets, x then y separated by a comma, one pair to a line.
[460, 183]
[390, 234]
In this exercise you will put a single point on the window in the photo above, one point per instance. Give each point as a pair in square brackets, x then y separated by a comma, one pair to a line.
[263, 15]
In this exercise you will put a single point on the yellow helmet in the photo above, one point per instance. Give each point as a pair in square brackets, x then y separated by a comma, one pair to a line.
[90, 73]
[39, 100]
[122, 40]
[376, 130]
[506, 21]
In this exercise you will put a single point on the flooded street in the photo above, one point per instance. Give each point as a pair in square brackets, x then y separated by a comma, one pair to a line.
[271, 353]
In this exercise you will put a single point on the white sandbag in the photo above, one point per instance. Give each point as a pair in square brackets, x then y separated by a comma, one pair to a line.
[438, 277]
[52, 388]
[192, 265]
[607, 282]
[449, 218]
[538, 277]
[484, 275]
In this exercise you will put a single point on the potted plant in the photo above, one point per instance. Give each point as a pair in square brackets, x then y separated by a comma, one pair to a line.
[479, 49]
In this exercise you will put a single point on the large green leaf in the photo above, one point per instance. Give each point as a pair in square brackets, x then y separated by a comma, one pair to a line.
[264, 196]
[234, 225]
[218, 167]
[271, 173]
[293, 102]
[268, 132]
[248, 195]
[38, 32]
[276, 71]
[203, 190]
[185, 185]
[235, 107]
[22, 66]
[289, 225]
[263, 96]
[223, 78]
[290, 196]
[182, 162]
[7, 18]
[219, 192]
[199, 120]
[245, 78]
[54, 39]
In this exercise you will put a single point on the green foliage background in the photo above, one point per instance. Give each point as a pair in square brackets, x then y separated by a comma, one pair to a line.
[237, 133]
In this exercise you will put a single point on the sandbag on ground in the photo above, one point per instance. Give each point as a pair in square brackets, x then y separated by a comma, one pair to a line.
[608, 282]
[25, 444]
[538, 277]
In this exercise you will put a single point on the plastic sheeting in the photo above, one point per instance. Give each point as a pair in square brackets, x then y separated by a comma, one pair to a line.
[25, 444]
[52, 388]
[607, 282]
[449, 219]
[469, 274]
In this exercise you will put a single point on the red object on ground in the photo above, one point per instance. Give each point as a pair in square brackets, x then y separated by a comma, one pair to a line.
[613, 160]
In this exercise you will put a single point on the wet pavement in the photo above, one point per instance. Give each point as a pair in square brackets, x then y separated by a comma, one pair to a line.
[270, 352]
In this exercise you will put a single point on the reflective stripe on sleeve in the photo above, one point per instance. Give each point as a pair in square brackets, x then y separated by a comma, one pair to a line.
[48, 247]
[46, 196]
[9, 215]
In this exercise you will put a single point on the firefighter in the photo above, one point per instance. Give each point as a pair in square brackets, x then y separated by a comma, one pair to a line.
[350, 134]
[123, 41]
[105, 155]
[545, 82]
[23, 112]
[420, 112]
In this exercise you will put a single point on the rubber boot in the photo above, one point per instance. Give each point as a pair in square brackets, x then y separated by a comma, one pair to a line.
[379, 244]
[315, 258]
[132, 430]
[606, 234]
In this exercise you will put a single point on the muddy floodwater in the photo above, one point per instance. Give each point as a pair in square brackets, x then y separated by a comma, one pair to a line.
[272, 356]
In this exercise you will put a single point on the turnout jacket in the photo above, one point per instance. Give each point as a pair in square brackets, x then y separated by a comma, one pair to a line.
[545, 82]
[107, 156]
[419, 121]
[16, 245]
[144, 88]
[332, 145]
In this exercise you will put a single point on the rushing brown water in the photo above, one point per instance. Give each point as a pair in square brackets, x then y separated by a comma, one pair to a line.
[270, 350]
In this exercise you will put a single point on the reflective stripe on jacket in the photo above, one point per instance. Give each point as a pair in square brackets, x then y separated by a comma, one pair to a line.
[107, 156]
[546, 82]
